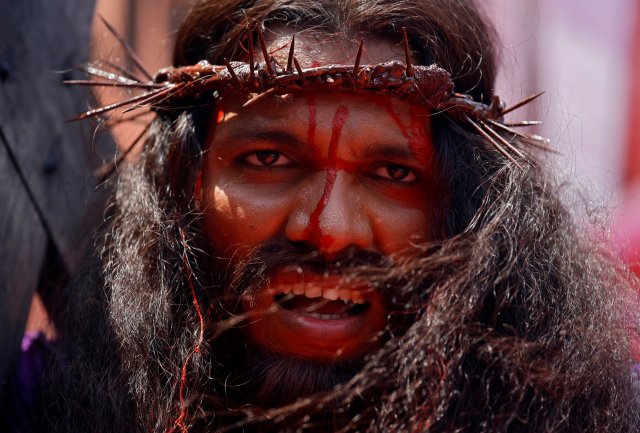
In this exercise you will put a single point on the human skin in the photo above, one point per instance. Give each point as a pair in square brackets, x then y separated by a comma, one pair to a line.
[337, 171]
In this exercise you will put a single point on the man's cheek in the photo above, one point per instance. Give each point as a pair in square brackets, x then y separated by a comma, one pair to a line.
[243, 216]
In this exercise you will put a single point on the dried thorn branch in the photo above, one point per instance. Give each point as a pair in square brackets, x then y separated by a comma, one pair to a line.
[407, 53]
[291, 52]
[104, 172]
[155, 97]
[265, 51]
[251, 55]
[356, 66]
[235, 80]
[123, 71]
[132, 55]
[491, 141]
[259, 97]
[523, 123]
[533, 137]
[114, 84]
[525, 101]
[108, 75]
[532, 140]
[298, 68]
[501, 139]
[104, 109]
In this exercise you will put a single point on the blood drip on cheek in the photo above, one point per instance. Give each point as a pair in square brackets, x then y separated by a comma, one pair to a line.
[313, 231]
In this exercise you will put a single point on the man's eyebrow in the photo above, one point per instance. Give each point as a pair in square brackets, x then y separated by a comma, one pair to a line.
[274, 136]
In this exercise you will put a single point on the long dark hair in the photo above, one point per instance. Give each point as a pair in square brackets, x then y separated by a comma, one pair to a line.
[508, 321]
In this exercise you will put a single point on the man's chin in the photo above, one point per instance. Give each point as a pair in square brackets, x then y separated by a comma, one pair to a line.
[269, 380]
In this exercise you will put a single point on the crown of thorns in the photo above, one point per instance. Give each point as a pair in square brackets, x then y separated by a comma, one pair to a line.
[431, 86]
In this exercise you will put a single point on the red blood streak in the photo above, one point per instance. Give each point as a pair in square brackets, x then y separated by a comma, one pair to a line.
[180, 421]
[336, 163]
[311, 132]
[313, 230]
[415, 135]
[320, 162]
[421, 146]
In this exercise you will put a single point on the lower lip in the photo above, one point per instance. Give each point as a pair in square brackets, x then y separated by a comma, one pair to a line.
[299, 334]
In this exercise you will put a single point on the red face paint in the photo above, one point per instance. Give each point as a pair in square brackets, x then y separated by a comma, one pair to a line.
[311, 132]
[313, 230]
[414, 133]
[422, 148]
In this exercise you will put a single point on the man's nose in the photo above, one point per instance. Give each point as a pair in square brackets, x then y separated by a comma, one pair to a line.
[330, 215]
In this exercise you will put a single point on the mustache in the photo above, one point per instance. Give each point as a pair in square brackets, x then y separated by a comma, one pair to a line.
[254, 270]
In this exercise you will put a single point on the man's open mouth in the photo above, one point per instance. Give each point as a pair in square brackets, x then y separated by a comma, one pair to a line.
[321, 308]
[316, 317]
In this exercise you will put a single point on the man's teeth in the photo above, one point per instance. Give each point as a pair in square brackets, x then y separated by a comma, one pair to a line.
[326, 316]
[314, 291]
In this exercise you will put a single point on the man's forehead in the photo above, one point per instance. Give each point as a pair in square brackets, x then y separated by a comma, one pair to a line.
[317, 48]
[373, 124]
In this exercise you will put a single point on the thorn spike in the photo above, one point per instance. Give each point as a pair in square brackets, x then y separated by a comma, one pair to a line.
[111, 76]
[356, 66]
[265, 51]
[107, 170]
[298, 68]
[524, 123]
[155, 97]
[259, 97]
[535, 141]
[134, 58]
[518, 133]
[291, 51]
[123, 71]
[407, 53]
[525, 101]
[113, 84]
[502, 140]
[100, 110]
[234, 77]
[251, 60]
[168, 92]
[491, 141]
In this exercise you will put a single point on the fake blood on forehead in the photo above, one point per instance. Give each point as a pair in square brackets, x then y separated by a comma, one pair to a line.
[313, 230]
[421, 148]
[311, 132]
[414, 133]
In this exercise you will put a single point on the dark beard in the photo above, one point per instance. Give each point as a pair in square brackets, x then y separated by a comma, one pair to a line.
[252, 374]
[520, 327]
[256, 377]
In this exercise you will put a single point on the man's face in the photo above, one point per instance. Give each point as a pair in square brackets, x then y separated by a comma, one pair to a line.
[342, 173]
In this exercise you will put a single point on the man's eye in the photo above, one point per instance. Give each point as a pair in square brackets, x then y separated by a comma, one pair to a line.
[267, 158]
[397, 173]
